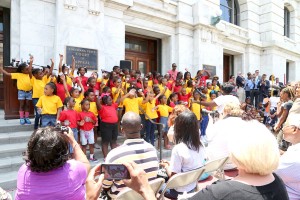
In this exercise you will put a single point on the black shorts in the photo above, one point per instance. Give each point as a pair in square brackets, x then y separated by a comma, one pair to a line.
[109, 132]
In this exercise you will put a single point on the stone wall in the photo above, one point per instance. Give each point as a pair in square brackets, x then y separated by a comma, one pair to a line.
[45, 27]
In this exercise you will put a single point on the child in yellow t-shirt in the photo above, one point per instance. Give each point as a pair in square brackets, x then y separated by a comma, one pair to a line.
[23, 76]
[164, 111]
[151, 115]
[78, 95]
[49, 105]
[38, 85]
[131, 101]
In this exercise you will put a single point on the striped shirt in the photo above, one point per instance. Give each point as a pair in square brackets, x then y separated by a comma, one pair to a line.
[289, 171]
[137, 150]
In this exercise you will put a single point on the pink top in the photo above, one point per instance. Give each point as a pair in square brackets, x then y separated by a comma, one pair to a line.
[66, 182]
[173, 74]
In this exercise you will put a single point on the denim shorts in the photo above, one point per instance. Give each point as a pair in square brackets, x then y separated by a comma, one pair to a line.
[48, 120]
[22, 95]
[164, 120]
[87, 137]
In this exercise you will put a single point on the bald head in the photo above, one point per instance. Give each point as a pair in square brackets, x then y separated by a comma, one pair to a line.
[131, 123]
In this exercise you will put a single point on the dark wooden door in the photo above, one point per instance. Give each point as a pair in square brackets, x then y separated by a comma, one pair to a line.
[11, 104]
[226, 68]
[142, 53]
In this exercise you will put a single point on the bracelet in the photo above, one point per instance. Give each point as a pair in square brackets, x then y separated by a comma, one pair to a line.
[75, 145]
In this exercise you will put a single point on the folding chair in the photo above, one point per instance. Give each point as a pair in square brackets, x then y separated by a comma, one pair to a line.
[182, 179]
[128, 193]
[216, 165]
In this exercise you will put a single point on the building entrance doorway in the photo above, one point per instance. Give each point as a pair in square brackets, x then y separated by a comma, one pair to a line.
[227, 67]
[142, 53]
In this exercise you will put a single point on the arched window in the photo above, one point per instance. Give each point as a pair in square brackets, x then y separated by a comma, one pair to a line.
[286, 22]
[230, 11]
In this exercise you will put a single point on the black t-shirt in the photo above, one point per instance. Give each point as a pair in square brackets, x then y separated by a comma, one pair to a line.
[234, 190]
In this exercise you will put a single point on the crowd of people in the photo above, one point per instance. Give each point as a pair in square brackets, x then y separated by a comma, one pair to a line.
[202, 120]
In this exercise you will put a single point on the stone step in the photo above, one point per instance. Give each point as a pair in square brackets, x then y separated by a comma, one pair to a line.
[15, 137]
[8, 181]
[11, 150]
[13, 125]
[10, 164]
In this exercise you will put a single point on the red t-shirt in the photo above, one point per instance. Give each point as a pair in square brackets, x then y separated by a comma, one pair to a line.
[87, 125]
[108, 114]
[71, 116]
[84, 80]
[61, 91]
[177, 88]
[203, 80]
[172, 104]
[184, 98]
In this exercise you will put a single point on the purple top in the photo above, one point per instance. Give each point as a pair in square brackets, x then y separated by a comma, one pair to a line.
[66, 182]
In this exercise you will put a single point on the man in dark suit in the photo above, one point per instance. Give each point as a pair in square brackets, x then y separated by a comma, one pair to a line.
[279, 84]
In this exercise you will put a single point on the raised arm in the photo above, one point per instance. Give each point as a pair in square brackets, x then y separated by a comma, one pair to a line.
[99, 103]
[208, 73]
[51, 68]
[73, 65]
[63, 78]
[4, 71]
[81, 86]
[61, 57]
[30, 65]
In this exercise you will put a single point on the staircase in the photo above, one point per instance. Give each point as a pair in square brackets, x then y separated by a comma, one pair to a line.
[13, 142]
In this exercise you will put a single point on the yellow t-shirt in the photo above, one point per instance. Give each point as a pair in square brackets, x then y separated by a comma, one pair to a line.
[188, 90]
[150, 83]
[132, 104]
[78, 100]
[102, 80]
[93, 108]
[48, 79]
[69, 80]
[152, 114]
[37, 87]
[49, 104]
[216, 88]
[164, 110]
[167, 93]
[115, 96]
[196, 110]
[23, 81]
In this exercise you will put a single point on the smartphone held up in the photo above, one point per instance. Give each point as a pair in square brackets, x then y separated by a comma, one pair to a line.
[115, 171]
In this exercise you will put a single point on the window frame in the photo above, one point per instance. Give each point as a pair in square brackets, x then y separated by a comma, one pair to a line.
[234, 12]
[287, 22]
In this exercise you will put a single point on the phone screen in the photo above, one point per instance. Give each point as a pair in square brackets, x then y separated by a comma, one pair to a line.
[115, 171]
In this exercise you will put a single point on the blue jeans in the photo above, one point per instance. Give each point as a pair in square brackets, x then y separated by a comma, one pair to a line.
[142, 131]
[37, 115]
[150, 128]
[48, 120]
[75, 132]
[203, 125]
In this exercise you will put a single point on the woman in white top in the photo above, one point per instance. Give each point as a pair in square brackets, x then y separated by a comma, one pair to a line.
[188, 153]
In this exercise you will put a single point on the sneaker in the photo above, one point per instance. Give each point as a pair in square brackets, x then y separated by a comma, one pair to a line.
[97, 146]
[93, 159]
[22, 121]
[27, 121]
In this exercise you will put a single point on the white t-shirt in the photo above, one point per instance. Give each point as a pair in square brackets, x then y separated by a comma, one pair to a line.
[218, 137]
[221, 101]
[184, 159]
[273, 102]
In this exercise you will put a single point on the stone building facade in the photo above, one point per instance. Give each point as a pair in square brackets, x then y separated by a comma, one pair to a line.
[152, 34]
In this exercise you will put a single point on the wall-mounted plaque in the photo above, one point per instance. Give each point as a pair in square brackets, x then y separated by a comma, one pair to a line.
[210, 69]
[83, 57]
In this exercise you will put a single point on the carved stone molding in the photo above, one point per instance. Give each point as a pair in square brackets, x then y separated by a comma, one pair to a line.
[71, 4]
[94, 7]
